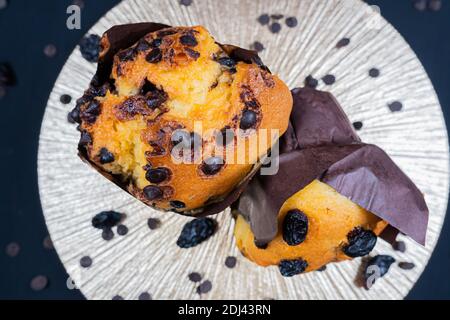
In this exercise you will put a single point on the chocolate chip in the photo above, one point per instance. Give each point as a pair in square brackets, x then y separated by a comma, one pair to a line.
[107, 234]
[420, 5]
[186, 3]
[277, 16]
[395, 106]
[227, 62]
[357, 125]
[212, 166]
[329, 79]
[48, 243]
[264, 19]
[374, 73]
[230, 262]
[258, 46]
[188, 40]
[65, 99]
[248, 119]
[145, 296]
[177, 204]
[311, 82]
[195, 277]
[435, 5]
[50, 50]
[122, 230]
[399, 246]
[192, 53]
[275, 27]
[39, 283]
[291, 22]
[106, 156]
[205, 287]
[343, 43]
[157, 175]
[153, 193]
[153, 223]
[86, 262]
[406, 265]
[12, 249]
[117, 297]
[187, 140]
[154, 56]
[90, 47]
[106, 219]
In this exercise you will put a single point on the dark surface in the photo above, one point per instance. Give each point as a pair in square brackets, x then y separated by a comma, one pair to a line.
[26, 27]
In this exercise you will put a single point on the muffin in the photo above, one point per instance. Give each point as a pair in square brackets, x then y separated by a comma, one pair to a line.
[331, 198]
[166, 117]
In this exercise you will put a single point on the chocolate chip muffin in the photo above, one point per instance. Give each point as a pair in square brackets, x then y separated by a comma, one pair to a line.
[316, 225]
[163, 122]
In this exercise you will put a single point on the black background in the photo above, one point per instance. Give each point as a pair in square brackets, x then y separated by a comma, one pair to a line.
[27, 26]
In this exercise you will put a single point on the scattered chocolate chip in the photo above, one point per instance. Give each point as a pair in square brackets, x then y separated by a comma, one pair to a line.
[399, 246]
[382, 262]
[205, 287]
[188, 40]
[3, 4]
[264, 19]
[360, 242]
[322, 268]
[177, 204]
[290, 268]
[195, 232]
[343, 43]
[420, 5]
[357, 125]
[187, 139]
[154, 56]
[153, 193]
[227, 62]
[48, 243]
[7, 77]
[195, 277]
[311, 82]
[106, 156]
[39, 283]
[192, 53]
[117, 297]
[275, 27]
[329, 79]
[435, 5]
[65, 99]
[86, 262]
[50, 50]
[406, 265]
[12, 249]
[395, 106]
[107, 234]
[295, 227]
[122, 230]
[277, 16]
[248, 119]
[212, 166]
[374, 73]
[186, 3]
[153, 223]
[230, 262]
[291, 22]
[157, 175]
[145, 296]
[106, 219]
[258, 46]
[90, 47]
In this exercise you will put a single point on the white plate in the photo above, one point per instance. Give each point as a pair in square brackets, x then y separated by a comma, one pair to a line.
[149, 261]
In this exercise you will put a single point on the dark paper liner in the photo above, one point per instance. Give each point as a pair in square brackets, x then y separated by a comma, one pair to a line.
[124, 36]
[321, 144]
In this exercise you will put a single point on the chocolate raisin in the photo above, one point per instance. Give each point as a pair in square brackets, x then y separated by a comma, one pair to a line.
[225, 136]
[90, 47]
[382, 262]
[360, 242]
[157, 175]
[106, 219]
[195, 232]
[74, 115]
[177, 204]
[106, 156]
[290, 268]
[188, 40]
[156, 43]
[91, 112]
[227, 62]
[143, 45]
[212, 166]
[248, 119]
[153, 193]
[154, 56]
[85, 138]
[127, 55]
[192, 53]
[295, 227]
